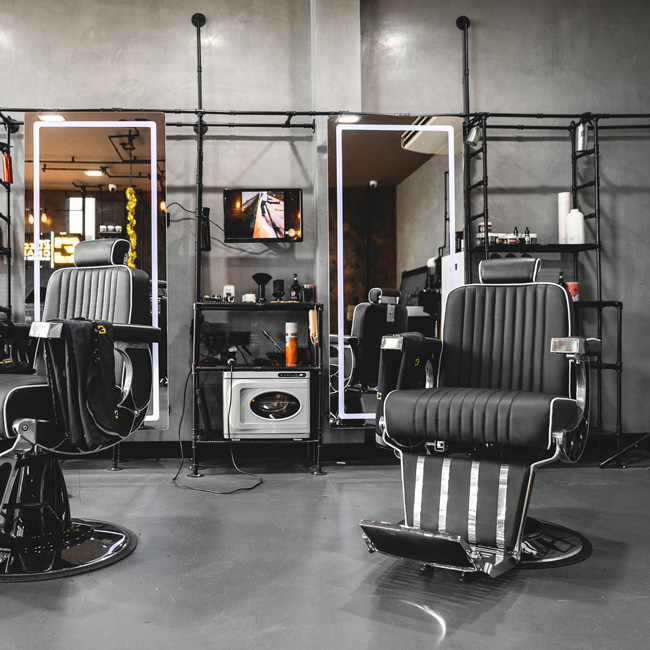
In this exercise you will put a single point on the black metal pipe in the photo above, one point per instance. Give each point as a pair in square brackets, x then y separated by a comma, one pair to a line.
[486, 216]
[462, 22]
[599, 279]
[198, 20]
[527, 127]
[193, 111]
[256, 125]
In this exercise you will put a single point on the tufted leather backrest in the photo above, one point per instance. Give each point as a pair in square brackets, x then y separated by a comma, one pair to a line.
[371, 321]
[499, 336]
[101, 288]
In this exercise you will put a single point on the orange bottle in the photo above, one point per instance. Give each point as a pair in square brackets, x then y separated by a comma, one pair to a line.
[291, 344]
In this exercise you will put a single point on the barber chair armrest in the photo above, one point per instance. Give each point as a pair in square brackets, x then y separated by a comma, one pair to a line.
[352, 341]
[430, 349]
[46, 330]
[121, 332]
[136, 333]
[396, 342]
[577, 347]
[14, 331]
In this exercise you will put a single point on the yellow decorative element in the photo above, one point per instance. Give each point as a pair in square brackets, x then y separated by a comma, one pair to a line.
[131, 202]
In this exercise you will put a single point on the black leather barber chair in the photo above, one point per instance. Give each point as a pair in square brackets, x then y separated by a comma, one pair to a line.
[38, 537]
[381, 316]
[510, 395]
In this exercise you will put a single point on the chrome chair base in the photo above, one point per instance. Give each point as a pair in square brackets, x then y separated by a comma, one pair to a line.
[86, 546]
[548, 545]
[545, 545]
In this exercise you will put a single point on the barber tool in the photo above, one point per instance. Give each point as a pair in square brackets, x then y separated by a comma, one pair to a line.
[270, 338]
[248, 297]
[313, 327]
[261, 280]
[278, 289]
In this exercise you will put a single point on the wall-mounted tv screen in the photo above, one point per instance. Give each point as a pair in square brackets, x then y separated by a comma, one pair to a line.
[262, 215]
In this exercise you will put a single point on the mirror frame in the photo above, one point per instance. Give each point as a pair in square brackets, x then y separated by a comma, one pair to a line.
[340, 129]
[112, 124]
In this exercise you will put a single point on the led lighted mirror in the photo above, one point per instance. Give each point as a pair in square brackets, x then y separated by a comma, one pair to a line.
[447, 146]
[83, 173]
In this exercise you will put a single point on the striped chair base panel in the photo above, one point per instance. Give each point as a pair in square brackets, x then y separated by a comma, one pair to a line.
[481, 501]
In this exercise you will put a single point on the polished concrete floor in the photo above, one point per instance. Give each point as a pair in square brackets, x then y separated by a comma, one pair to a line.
[284, 566]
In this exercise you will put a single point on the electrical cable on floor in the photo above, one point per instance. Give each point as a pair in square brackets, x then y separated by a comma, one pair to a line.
[177, 484]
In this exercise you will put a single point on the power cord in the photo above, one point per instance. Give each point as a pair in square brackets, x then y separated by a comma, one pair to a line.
[214, 238]
[180, 485]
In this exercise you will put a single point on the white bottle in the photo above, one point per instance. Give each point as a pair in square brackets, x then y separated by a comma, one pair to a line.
[575, 227]
[563, 208]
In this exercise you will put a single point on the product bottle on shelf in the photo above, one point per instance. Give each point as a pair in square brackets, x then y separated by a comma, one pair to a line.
[295, 292]
[291, 344]
[575, 227]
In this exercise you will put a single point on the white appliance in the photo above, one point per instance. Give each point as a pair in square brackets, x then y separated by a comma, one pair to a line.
[266, 404]
[446, 281]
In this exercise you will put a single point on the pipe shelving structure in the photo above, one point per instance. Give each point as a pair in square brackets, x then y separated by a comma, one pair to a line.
[597, 123]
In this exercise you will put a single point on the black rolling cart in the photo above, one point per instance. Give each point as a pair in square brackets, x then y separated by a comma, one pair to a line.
[242, 390]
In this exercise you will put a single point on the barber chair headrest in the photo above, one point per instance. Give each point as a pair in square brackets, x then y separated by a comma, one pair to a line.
[509, 271]
[383, 296]
[102, 252]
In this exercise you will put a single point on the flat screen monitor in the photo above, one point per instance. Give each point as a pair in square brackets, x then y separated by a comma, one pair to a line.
[413, 282]
[262, 215]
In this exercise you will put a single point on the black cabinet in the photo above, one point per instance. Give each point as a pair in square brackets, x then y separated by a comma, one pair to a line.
[242, 389]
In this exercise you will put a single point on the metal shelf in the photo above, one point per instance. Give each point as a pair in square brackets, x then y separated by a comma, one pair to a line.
[202, 367]
[257, 306]
[536, 248]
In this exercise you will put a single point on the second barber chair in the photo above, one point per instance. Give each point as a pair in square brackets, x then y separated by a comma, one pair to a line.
[380, 316]
[510, 394]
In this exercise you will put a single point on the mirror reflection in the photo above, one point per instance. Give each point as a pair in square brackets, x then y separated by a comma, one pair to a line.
[395, 207]
[97, 176]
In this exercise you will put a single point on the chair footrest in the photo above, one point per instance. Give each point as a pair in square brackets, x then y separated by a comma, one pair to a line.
[433, 548]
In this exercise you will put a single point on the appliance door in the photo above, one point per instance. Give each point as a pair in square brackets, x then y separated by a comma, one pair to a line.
[266, 408]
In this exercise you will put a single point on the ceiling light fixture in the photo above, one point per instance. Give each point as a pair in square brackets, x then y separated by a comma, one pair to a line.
[51, 117]
[348, 119]
[94, 172]
[474, 136]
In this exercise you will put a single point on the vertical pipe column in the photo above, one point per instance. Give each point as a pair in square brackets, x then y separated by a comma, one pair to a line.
[599, 279]
[462, 22]
[8, 243]
[198, 20]
[486, 214]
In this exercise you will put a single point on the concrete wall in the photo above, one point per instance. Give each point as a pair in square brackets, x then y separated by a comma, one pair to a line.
[383, 56]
